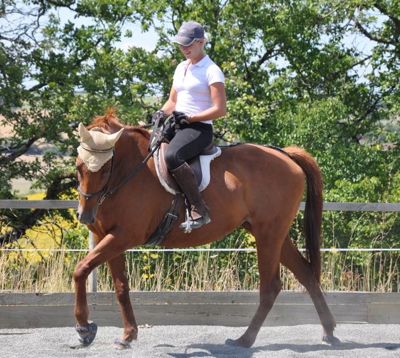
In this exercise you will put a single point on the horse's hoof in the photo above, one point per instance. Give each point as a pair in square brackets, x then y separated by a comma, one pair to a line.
[331, 340]
[86, 334]
[77, 346]
[121, 344]
[238, 343]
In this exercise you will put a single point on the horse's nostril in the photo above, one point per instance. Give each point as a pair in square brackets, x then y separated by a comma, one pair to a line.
[85, 220]
[86, 215]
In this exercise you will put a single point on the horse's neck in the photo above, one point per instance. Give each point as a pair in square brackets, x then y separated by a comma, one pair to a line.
[131, 151]
[140, 142]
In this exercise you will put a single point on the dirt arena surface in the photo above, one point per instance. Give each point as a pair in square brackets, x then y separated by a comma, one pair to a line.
[358, 340]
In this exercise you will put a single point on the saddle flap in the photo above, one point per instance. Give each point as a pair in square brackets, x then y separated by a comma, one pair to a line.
[200, 166]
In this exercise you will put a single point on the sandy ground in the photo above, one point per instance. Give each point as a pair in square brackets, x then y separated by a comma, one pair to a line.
[358, 340]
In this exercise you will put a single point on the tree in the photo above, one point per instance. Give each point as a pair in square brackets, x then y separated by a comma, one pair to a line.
[295, 74]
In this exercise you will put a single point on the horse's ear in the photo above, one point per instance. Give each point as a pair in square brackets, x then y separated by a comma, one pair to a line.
[83, 132]
[112, 138]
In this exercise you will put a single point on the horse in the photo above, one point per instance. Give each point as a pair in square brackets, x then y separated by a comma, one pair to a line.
[252, 186]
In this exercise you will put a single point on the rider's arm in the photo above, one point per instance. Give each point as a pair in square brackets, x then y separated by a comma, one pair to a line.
[169, 106]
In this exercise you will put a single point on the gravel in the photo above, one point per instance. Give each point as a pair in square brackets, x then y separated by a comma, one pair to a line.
[357, 340]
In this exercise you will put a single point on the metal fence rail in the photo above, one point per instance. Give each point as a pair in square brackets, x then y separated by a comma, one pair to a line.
[73, 204]
[204, 249]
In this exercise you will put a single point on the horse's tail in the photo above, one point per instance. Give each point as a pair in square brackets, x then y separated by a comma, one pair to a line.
[313, 208]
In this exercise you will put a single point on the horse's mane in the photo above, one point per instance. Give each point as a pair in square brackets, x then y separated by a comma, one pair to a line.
[110, 123]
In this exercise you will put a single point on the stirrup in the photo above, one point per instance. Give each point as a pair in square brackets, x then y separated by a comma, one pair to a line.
[189, 224]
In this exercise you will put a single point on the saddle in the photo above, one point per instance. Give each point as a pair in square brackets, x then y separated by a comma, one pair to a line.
[200, 166]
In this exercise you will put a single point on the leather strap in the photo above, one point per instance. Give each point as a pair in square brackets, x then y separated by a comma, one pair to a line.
[158, 236]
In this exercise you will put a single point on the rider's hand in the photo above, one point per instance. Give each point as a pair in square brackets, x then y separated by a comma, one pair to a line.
[158, 116]
[180, 118]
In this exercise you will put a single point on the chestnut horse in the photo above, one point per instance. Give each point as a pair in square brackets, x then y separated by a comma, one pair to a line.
[252, 186]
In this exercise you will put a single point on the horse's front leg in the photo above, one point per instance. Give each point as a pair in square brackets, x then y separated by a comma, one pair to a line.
[106, 250]
[121, 284]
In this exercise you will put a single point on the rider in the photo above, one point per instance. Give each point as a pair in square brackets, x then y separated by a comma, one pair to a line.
[197, 97]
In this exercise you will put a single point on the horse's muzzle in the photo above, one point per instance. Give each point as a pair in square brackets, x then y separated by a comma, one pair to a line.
[86, 216]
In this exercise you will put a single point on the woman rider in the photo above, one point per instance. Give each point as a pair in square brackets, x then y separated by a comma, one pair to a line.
[197, 97]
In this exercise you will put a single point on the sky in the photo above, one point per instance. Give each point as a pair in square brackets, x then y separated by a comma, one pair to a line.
[146, 40]
[23, 17]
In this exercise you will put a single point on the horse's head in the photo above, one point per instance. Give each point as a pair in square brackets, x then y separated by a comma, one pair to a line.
[94, 168]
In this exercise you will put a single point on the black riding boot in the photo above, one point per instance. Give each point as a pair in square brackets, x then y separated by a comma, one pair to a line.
[186, 180]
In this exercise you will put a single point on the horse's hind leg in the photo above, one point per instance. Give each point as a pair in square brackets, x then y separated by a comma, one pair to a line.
[117, 267]
[295, 262]
[268, 252]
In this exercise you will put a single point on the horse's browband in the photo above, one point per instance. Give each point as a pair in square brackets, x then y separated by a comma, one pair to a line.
[96, 150]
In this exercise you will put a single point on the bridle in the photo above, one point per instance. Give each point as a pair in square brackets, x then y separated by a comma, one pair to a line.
[105, 192]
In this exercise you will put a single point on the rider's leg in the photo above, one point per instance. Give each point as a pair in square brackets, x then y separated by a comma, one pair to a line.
[188, 142]
[186, 180]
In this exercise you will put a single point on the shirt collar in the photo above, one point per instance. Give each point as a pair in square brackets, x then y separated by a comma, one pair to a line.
[202, 62]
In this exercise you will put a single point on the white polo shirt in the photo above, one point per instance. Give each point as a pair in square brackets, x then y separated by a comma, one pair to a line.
[192, 81]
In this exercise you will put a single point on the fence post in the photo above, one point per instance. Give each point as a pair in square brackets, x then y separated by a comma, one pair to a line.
[92, 279]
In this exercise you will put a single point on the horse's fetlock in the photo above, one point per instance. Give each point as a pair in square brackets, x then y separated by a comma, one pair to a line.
[130, 334]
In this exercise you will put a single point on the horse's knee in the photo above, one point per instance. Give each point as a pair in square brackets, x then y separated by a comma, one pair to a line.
[81, 272]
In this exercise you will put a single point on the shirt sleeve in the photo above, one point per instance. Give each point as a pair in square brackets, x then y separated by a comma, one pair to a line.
[214, 75]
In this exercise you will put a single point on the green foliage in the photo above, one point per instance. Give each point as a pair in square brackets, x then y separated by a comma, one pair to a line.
[319, 74]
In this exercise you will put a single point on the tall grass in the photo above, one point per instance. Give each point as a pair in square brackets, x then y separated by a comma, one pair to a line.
[199, 271]
[50, 274]
[44, 271]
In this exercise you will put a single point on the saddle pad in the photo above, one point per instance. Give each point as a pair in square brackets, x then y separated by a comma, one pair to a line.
[200, 166]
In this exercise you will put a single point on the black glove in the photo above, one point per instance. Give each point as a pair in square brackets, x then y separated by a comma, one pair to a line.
[180, 118]
[158, 117]
[168, 131]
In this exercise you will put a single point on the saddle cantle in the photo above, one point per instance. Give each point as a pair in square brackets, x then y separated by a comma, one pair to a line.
[200, 166]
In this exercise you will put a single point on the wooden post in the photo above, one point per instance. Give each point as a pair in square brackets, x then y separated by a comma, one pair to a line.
[92, 279]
